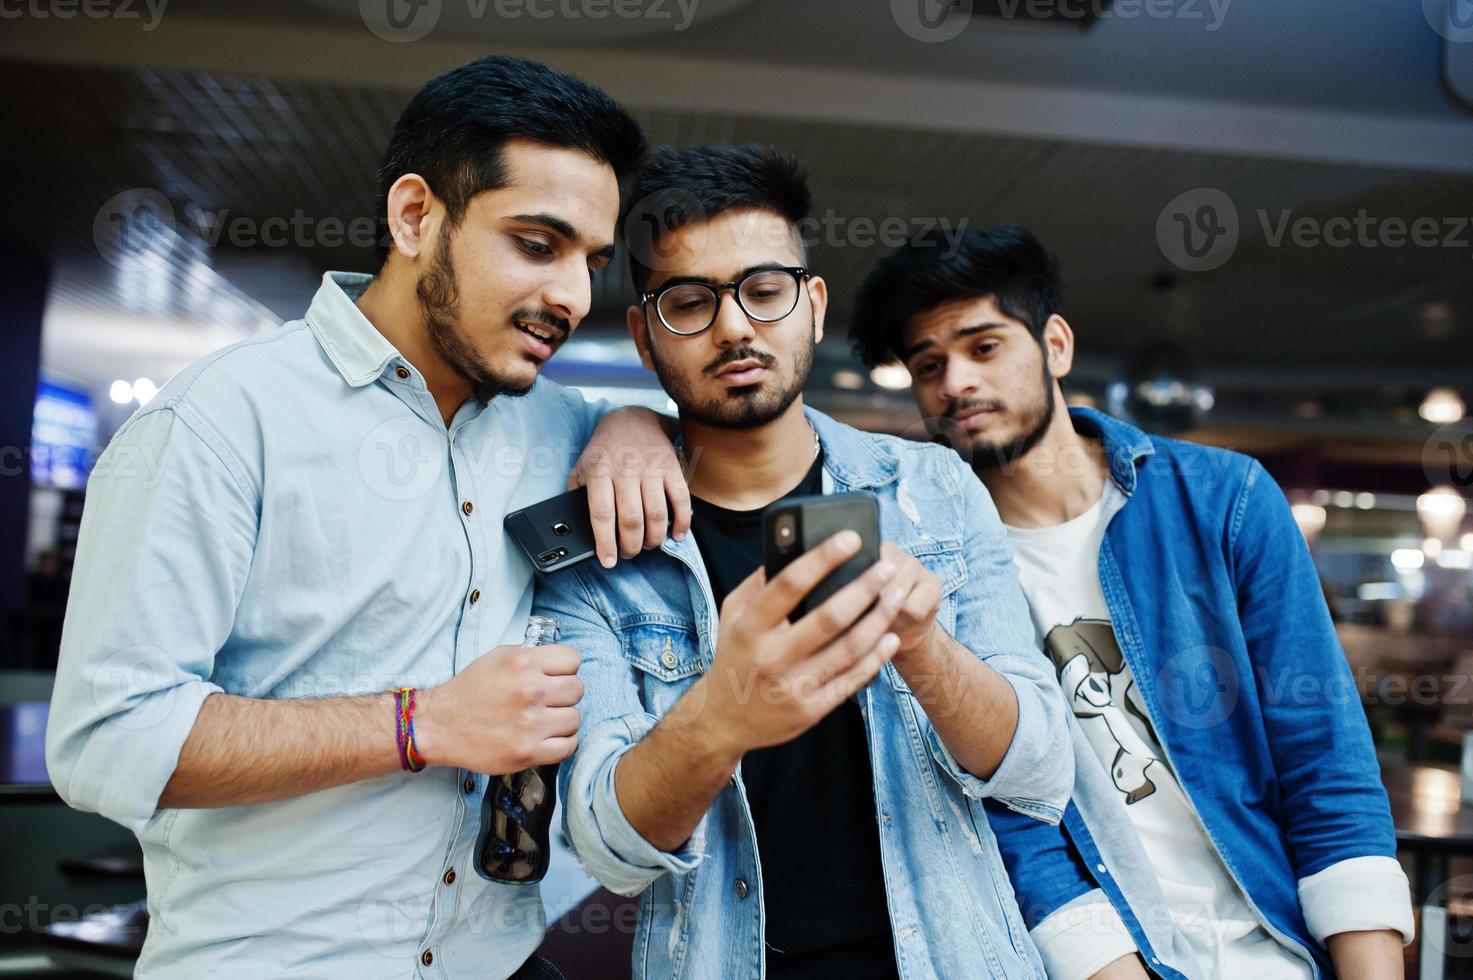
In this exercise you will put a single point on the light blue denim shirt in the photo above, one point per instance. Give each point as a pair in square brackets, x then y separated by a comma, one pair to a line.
[291, 518]
[647, 630]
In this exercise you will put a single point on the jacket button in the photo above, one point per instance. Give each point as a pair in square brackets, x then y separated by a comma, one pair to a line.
[467, 507]
[741, 887]
[668, 659]
[470, 784]
[427, 957]
[401, 373]
[449, 878]
[475, 596]
[1102, 869]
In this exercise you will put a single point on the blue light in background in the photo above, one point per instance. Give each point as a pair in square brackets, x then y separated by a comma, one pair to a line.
[63, 436]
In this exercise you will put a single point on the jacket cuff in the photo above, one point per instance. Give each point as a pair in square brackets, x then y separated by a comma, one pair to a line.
[606, 842]
[1361, 894]
[1019, 783]
[1082, 937]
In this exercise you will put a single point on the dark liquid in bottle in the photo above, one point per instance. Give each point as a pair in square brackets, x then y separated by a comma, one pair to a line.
[516, 816]
[516, 821]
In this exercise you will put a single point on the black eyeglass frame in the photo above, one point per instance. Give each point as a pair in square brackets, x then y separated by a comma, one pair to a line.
[798, 272]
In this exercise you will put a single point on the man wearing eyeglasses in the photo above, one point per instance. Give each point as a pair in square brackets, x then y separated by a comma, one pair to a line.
[800, 798]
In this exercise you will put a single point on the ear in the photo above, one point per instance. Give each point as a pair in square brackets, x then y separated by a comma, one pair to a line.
[818, 295]
[411, 210]
[639, 332]
[1058, 346]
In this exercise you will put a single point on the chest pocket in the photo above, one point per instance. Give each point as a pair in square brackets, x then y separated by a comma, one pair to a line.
[668, 658]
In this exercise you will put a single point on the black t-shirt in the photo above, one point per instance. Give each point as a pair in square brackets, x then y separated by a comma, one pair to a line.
[813, 803]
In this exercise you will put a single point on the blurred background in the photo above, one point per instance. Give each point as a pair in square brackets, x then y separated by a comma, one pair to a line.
[1263, 210]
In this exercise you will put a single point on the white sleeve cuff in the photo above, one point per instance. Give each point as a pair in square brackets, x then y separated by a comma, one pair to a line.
[1082, 937]
[1362, 894]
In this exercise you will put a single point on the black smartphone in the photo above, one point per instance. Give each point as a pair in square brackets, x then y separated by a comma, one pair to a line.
[555, 533]
[797, 524]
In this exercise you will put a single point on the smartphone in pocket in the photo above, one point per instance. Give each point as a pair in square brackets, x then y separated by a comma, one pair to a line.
[555, 533]
[793, 526]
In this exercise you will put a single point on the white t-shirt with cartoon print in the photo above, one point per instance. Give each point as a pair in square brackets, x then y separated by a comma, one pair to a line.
[1059, 569]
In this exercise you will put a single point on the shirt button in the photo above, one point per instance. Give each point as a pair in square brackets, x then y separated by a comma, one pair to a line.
[470, 784]
[475, 596]
[467, 507]
[427, 957]
[450, 877]
[741, 887]
[401, 373]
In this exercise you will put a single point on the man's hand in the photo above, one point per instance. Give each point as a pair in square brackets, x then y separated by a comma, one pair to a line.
[772, 680]
[510, 710]
[635, 487]
[916, 622]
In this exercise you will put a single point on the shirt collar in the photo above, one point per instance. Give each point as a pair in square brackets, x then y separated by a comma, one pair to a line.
[351, 342]
[1124, 444]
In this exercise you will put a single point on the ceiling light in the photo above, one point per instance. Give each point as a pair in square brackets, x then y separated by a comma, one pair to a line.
[892, 376]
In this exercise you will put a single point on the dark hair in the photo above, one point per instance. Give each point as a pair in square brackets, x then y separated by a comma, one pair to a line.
[1005, 262]
[677, 186]
[452, 131]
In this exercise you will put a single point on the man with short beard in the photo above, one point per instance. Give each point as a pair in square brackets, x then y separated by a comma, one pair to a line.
[306, 519]
[1175, 596]
[797, 799]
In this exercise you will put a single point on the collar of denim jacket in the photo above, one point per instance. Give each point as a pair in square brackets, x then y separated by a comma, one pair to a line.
[1125, 445]
[351, 342]
[857, 460]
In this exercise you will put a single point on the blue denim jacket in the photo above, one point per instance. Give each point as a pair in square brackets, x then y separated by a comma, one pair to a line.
[647, 629]
[1219, 613]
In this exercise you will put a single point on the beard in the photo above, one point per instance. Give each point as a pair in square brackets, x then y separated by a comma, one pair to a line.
[438, 292]
[737, 408]
[1034, 419]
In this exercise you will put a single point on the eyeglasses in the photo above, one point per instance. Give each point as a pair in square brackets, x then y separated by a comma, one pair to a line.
[764, 295]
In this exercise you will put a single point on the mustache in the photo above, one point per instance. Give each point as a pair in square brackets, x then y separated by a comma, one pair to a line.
[967, 406]
[740, 354]
[545, 318]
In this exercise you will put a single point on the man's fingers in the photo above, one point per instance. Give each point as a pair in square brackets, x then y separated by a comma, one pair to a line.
[630, 518]
[864, 670]
[656, 519]
[839, 611]
[555, 750]
[601, 515]
[739, 598]
[561, 722]
[564, 691]
[784, 592]
[678, 493]
[556, 660]
[843, 653]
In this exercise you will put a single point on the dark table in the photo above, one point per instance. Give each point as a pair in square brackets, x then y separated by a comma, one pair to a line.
[23, 754]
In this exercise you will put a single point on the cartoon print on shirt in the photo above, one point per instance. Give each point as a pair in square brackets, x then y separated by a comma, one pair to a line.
[1092, 674]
